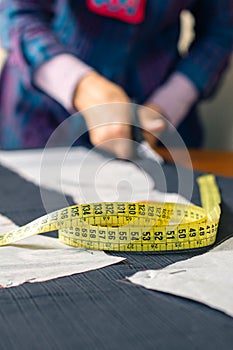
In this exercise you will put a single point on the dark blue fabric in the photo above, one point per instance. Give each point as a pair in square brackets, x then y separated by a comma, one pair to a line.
[190, 131]
[100, 309]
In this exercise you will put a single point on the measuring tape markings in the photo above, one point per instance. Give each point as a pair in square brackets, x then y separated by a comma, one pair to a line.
[136, 227]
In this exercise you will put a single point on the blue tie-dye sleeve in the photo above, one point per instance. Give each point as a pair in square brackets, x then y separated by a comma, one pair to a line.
[27, 23]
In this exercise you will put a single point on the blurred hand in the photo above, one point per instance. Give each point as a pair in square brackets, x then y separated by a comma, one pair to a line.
[152, 123]
[107, 121]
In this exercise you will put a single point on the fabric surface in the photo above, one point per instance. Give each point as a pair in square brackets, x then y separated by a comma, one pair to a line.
[100, 309]
[35, 31]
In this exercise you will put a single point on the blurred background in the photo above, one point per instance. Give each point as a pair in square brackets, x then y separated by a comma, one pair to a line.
[216, 112]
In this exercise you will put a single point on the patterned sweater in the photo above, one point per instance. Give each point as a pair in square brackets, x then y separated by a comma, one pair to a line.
[137, 50]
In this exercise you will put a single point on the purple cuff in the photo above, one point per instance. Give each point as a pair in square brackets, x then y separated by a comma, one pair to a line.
[59, 77]
[175, 98]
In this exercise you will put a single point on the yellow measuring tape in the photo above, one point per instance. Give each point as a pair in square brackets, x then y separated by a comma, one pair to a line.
[135, 227]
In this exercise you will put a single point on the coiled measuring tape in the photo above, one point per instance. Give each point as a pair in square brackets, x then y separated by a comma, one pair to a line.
[134, 227]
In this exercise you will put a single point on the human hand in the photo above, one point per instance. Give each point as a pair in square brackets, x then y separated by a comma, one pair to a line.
[109, 121]
[151, 122]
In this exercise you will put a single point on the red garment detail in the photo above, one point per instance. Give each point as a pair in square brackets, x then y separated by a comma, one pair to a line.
[131, 11]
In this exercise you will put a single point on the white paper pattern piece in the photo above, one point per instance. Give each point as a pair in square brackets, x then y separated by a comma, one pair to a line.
[86, 175]
[6, 224]
[207, 278]
[39, 258]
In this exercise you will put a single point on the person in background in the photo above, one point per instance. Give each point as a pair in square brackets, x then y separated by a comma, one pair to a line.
[66, 56]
